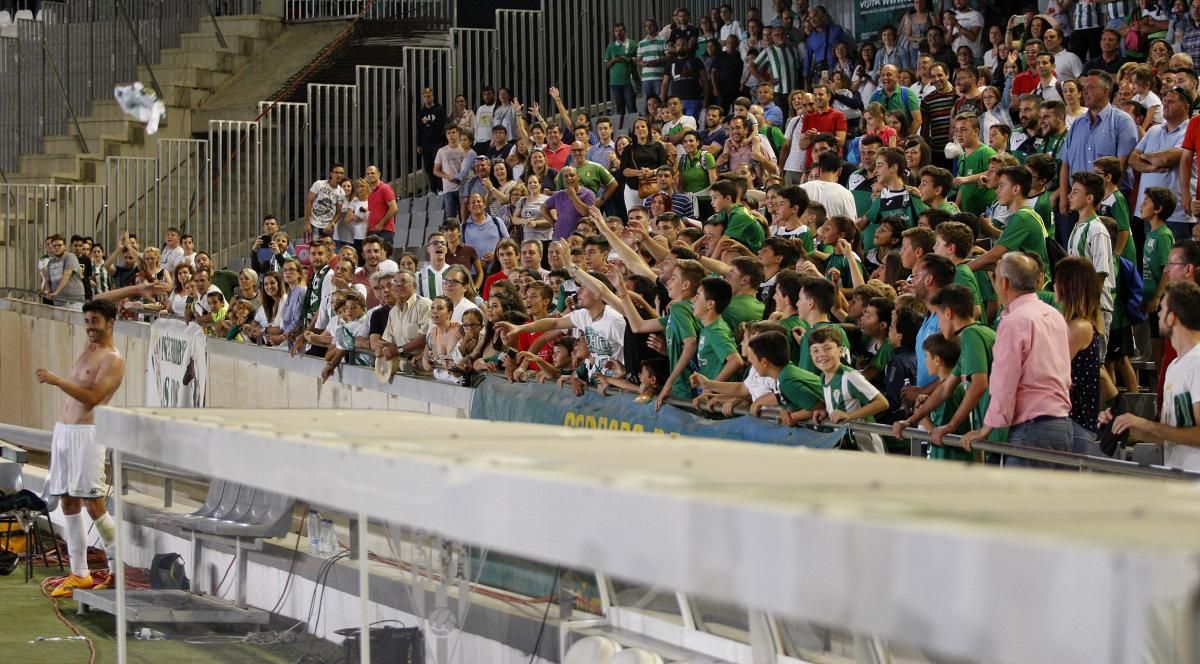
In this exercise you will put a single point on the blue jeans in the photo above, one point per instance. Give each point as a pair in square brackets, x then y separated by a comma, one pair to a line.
[1181, 229]
[694, 108]
[624, 98]
[1084, 441]
[650, 88]
[387, 236]
[450, 204]
[1052, 433]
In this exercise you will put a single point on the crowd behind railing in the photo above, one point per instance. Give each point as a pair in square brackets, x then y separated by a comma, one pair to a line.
[850, 257]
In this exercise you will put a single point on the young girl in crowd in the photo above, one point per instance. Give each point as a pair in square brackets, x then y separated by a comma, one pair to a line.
[442, 338]
[877, 125]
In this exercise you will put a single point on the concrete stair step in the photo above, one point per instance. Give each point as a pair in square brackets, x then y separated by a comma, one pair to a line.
[214, 59]
[183, 96]
[110, 110]
[237, 44]
[192, 77]
[22, 178]
[256, 26]
[78, 166]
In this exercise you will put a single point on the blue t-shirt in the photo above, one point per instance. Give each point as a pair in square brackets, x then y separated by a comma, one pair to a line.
[928, 329]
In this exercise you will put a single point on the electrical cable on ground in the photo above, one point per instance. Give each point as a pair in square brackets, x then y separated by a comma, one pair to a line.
[545, 617]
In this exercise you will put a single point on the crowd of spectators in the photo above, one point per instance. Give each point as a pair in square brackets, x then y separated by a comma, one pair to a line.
[977, 224]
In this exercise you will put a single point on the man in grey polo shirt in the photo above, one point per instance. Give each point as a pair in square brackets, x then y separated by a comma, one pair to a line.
[1157, 155]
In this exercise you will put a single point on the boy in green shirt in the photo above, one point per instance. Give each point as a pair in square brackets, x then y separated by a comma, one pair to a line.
[744, 275]
[716, 353]
[1158, 204]
[798, 391]
[739, 225]
[935, 186]
[1024, 230]
[972, 165]
[787, 293]
[955, 309]
[941, 356]
[849, 395]
[955, 241]
[680, 326]
[876, 324]
[893, 197]
[813, 305]
[1044, 171]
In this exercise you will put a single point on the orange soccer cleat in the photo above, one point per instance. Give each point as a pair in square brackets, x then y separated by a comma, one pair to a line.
[67, 588]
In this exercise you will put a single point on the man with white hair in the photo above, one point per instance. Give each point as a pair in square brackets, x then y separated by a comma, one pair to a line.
[1030, 383]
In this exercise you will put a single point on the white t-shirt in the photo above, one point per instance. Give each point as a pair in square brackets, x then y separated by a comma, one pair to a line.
[605, 336]
[449, 158]
[969, 19]
[1181, 392]
[759, 385]
[838, 200]
[1153, 105]
[171, 258]
[669, 128]
[1067, 65]
[354, 223]
[326, 204]
[1097, 247]
[260, 315]
[532, 209]
[485, 119]
[796, 158]
[464, 305]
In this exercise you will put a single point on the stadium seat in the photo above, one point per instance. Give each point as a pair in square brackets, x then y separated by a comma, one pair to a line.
[635, 656]
[1148, 454]
[433, 202]
[403, 206]
[23, 14]
[591, 650]
[416, 231]
[216, 491]
[436, 217]
[5, 18]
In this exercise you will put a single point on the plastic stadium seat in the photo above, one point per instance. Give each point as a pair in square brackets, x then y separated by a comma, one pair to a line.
[1148, 454]
[10, 476]
[404, 206]
[416, 231]
[433, 202]
[436, 217]
[23, 14]
[216, 490]
[591, 650]
[635, 656]
[5, 18]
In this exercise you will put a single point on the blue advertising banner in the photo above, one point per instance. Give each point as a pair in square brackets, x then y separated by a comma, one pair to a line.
[497, 399]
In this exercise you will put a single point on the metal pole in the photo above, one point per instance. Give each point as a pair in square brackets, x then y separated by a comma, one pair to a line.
[216, 26]
[119, 555]
[140, 51]
[66, 100]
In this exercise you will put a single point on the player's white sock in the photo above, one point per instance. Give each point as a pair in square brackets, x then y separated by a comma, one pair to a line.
[108, 534]
[76, 543]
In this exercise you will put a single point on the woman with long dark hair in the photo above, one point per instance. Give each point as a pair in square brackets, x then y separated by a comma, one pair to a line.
[639, 163]
[1077, 293]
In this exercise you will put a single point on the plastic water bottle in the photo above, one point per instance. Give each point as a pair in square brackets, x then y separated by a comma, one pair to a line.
[314, 533]
[328, 539]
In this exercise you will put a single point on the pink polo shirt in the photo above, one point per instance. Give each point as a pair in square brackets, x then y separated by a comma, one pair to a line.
[1031, 367]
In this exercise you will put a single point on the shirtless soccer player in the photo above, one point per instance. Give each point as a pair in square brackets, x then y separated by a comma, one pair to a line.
[76, 461]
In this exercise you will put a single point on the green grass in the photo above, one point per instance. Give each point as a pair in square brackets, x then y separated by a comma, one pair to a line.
[26, 614]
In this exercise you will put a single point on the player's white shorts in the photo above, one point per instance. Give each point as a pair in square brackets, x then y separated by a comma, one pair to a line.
[76, 462]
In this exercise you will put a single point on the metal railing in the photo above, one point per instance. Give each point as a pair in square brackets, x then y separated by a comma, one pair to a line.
[298, 11]
[30, 212]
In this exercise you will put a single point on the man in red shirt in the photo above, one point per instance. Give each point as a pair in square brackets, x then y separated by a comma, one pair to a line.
[1027, 81]
[381, 207]
[506, 254]
[826, 120]
[556, 151]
